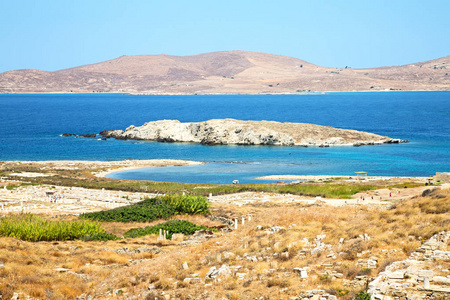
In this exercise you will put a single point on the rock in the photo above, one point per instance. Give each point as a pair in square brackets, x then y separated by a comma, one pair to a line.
[62, 270]
[89, 135]
[426, 283]
[425, 273]
[321, 237]
[397, 275]
[229, 255]
[275, 228]
[153, 250]
[441, 279]
[212, 271]
[222, 219]
[224, 271]
[177, 237]
[121, 250]
[301, 272]
[230, 131]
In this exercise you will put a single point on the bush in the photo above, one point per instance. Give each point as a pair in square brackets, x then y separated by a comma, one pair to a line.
[187, 204]
[173, 226]
[153, 209]
[33, 228]
[103, 236]
[362, 295]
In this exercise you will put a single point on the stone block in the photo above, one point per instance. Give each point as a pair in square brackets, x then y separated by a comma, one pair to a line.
[425, 273]
[397, 275]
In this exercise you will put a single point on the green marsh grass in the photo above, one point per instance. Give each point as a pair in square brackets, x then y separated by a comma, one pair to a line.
[172, 226]
[33, 228]
[329, 190]
[153, 209]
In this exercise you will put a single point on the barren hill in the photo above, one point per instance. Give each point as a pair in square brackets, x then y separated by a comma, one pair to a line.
[225, 72]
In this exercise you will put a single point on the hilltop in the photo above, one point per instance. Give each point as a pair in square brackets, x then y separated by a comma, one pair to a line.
[225, 72]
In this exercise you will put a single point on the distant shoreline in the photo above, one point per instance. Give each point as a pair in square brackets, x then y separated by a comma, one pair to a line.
[118, 166]
[218, 94]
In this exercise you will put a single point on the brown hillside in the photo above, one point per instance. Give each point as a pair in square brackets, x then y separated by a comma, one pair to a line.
[225, 72]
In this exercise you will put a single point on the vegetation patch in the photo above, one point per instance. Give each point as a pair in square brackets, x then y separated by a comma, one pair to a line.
[171, 227]
[33, 228]
[153, 209]
[102, 236]
[84, 179]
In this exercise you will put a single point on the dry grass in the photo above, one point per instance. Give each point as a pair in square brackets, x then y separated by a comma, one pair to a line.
[30, 267]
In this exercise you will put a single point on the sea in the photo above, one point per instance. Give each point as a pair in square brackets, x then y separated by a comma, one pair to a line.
[31, 126]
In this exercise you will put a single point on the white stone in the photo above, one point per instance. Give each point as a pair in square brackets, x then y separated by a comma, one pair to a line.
[397, 275]
[426, 283]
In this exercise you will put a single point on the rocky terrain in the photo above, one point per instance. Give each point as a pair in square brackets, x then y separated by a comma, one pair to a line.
[230, 131]
[269, 246]
[227, 72]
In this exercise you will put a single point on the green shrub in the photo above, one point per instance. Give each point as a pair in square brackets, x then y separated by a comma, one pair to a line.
[173, 226]
[153, 209]
[187, 204]
[342, 292]
[362, 295]
[33, 228]
[102, 236]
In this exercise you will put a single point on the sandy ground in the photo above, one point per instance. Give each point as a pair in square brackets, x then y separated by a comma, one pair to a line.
[112, 166]
[139, 164]
[340, 177]
[56, 200]
[380, 197]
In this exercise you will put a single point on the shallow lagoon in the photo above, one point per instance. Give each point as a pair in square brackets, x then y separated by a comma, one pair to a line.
[32, 124]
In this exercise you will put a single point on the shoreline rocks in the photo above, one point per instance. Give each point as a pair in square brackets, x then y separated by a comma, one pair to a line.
[88, 135]
[237, 132]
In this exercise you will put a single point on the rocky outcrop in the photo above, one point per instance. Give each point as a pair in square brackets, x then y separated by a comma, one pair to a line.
[424, 275]
[230, 131]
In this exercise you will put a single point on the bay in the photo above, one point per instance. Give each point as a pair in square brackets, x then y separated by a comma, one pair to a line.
[31, 125]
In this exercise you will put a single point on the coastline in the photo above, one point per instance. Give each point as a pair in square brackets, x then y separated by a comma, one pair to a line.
[151, 163]
[218, 94]
[332, 177]
[111, 166]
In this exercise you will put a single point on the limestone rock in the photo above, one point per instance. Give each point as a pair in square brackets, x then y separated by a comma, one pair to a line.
[230, 131]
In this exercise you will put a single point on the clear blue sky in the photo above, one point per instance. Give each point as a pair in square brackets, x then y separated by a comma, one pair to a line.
[58, 34]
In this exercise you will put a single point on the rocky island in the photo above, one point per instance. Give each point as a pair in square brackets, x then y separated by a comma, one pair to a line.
[237, 132]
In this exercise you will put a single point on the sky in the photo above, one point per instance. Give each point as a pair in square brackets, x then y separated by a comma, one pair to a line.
[59, 34]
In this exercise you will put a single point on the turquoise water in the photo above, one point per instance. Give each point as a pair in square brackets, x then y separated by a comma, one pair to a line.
[32, 124]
